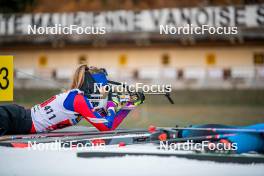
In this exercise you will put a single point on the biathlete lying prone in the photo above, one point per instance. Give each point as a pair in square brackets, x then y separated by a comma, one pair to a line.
[83, 100]
[106, 113]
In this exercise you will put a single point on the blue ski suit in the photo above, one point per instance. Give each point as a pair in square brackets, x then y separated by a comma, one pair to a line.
[245, 141]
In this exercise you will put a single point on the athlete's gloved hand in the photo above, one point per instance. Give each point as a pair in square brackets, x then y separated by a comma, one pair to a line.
[111, 108]
[119, 99]
[137, 98]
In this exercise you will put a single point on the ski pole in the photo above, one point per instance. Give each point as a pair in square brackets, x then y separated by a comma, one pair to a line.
[61, 134]
[200, 138]
[222, 129]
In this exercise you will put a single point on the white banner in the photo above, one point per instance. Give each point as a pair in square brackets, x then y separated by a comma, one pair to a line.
[137, 21]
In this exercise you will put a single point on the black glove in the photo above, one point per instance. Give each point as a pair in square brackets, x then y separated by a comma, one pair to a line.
[137, 98]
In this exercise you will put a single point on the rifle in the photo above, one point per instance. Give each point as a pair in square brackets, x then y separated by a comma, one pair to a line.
[166, 94]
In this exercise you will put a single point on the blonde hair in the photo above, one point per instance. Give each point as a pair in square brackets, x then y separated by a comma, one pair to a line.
[78, 77]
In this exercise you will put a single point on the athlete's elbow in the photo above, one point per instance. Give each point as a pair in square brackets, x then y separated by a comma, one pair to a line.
[113, 128]
[108, 128]
[103, 128]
